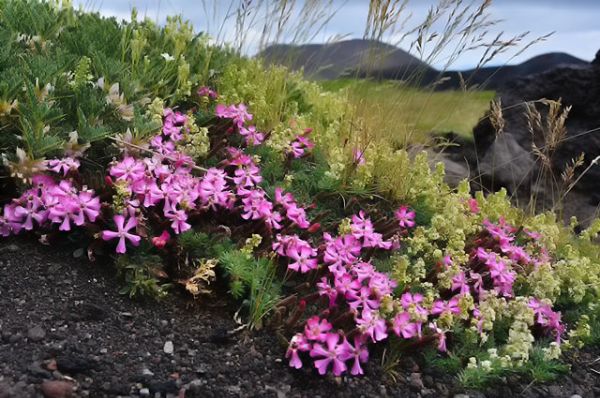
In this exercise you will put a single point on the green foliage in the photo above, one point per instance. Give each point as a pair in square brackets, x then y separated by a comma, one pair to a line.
[254, 279]
[139, 272]
[64, 70]
[408, 115]
[538, 369]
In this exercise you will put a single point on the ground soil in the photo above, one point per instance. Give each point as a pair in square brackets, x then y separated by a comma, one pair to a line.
[62, 318]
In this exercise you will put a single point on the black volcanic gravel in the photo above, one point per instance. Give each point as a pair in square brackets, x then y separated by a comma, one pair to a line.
[63, 324]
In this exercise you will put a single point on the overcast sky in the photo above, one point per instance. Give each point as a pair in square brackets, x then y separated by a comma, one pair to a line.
[576, 22]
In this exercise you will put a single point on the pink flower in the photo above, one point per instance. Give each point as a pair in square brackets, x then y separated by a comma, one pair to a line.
[473, 205]
[316, 329]
[341, 251]
[273, 220]
[178, 218]
[362, 228]
[332, 353]
[403, 327]
[238, 113]
[29, 208]
[365, 299]
[408, 300]
[256, 206]
[325, 289]
[297, 215]
[162, 146]
[297, 343]
[149, 190]
[547, 318]
[370, 324]
[459, 282]
[63, 165]
[213, 191]
[247, 176]
[300, 146]
[348, 286]
[446, 307]
[128, 169]
[406, 218]
[413, 301]
[160, 241]
[89, 205]
[252, 136]
[122, 233]
[359, 156]
[357, 352]
[441, 336]
[303, 259]
[207, 92]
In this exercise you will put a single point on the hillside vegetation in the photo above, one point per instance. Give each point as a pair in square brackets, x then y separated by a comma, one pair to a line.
[184, 163]
[410, 115]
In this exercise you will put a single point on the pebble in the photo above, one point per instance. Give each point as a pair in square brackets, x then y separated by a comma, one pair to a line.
[57, 389]
[36, 370]
[461, 396]
[415, 381]
[144, 392]
[36, 333]
[168, 347]
[147, 372]
[15, 338]
[576, 396]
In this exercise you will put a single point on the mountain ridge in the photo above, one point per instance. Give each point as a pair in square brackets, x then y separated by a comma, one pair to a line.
[374, 59]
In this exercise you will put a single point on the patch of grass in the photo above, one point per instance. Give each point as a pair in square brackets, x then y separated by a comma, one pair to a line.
[407, 115]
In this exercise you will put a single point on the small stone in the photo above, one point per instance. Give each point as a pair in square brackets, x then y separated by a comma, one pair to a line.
[168, 347]
[57, 389]
[36, 370]
[15, 338]
[576, 396]
[36, 333]
[147, 372]
[416, 382]
[12, 248]
[461, 396]
[144, 392]
[73, 363]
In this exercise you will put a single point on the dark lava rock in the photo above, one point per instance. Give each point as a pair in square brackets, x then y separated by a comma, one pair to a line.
[220, 336]
[74, 363]
[36, 333]
[513, 165]
[164, 387]
[36, 370]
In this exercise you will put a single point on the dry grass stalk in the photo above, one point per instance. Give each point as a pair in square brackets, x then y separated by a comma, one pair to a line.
[496, 116]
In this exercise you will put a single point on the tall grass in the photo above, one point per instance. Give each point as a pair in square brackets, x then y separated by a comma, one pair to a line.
[450, 30]
[412, 114]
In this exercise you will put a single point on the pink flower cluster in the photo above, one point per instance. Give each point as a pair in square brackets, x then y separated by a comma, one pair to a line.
[47, 203]
[301, 145]
[351, 286]
[62, 166]
[547, 318]
[327, 348]
[164, 183]
[239, 115]
[492, 269]
[207, 92]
